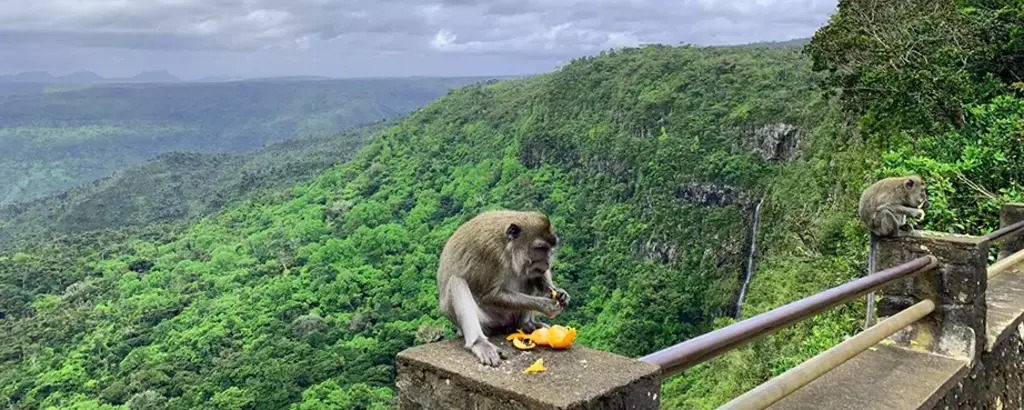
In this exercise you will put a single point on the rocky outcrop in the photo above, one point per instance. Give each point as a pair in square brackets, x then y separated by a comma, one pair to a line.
[661, 251]
[774, 142]
[700, 194]
[705, 195]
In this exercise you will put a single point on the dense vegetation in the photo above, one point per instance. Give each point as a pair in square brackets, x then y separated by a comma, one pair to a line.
[178, 185]
[305, 297]
[54, 141]
[650, 160]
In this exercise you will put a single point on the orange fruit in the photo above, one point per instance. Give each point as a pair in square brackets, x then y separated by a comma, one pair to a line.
[560, 337]
[540, 336]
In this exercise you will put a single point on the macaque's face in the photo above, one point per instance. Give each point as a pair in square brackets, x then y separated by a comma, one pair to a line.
[917, 193]
[541, 255]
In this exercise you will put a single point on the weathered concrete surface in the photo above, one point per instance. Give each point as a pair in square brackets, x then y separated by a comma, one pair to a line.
[997, 380]
[1010, 214]
[1005, 306]
[445, 376]
[957, 285]
[888, 378]
[898, 378]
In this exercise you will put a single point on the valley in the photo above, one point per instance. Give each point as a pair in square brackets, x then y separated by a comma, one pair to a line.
[283, 263]
[54, 141]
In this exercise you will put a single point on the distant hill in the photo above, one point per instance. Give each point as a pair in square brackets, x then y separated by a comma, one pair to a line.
[178, 185]
[786, 44]
[57, 140]
[88, 77]
[36, 82]
[156, 76]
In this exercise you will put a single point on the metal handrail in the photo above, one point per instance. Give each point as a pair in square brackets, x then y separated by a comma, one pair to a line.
[1006, 263]
[1002, 233]
[678, 358]
[792, 380]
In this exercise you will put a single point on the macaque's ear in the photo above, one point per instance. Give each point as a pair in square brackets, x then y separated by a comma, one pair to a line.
[909, 183]
[513, 231]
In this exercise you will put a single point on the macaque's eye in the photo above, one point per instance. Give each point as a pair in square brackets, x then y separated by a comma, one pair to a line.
[542, 248]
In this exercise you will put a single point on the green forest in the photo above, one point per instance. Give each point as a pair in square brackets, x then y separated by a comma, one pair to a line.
[54, 141]
[651, 161]
[178, 185]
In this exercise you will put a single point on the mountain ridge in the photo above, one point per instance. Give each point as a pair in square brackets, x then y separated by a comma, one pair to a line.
[88, 77]
[54, 141]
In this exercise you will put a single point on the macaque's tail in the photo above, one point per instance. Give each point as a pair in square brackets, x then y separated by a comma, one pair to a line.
[872, 247]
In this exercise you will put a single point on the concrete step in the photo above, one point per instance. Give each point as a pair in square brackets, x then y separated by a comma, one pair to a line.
[887, 378]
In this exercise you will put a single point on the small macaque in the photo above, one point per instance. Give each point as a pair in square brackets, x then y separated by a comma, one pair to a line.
[494, 274]
[886, 204]
[884, 208]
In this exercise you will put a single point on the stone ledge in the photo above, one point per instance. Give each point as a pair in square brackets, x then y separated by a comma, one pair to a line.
[444, 375]
[889, 378]
[960, 239]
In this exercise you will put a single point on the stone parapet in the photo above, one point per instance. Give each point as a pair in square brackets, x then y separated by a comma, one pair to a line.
[957, 286]
[1010, 214]
[997, 381]
[444, 375]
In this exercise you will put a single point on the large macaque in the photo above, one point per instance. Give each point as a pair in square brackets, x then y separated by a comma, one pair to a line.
[494, 274]
[884, 208]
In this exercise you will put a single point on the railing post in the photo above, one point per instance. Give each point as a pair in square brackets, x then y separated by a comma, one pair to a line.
[957, 286]
[1010, 214]
[446, 376]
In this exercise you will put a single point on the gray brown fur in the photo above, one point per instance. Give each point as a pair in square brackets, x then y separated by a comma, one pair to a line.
[495, 274]
[886, 204]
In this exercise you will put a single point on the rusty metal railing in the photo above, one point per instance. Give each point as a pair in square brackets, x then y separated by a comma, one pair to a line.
[781, 386]
[1006, 261]
[678, 358]
[1002, 233]
[1005, 264]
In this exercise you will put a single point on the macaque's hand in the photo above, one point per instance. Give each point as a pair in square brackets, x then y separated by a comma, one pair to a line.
[561, 296]
[920, 214]
[552, 308]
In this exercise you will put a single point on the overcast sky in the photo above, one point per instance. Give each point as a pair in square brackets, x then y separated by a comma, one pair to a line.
[342, 38]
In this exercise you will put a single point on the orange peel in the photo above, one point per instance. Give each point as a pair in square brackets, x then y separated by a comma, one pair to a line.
[519, 334]
[560, 337]
[557, 337]
[536, 367]
[518, 343]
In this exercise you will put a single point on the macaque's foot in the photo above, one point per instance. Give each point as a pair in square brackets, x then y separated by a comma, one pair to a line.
[488, 353]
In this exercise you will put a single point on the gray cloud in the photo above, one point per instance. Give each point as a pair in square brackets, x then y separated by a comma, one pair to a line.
[348, 37]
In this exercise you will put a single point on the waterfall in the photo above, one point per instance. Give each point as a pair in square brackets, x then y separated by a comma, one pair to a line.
[750, 258]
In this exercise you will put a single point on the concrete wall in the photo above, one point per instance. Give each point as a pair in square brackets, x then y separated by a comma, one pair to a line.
[995, 383]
